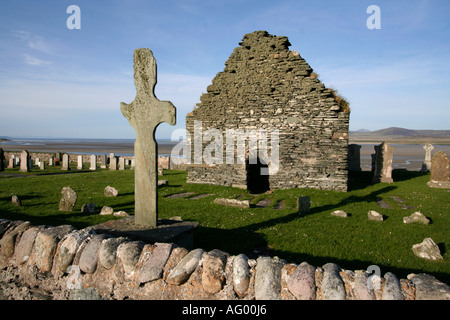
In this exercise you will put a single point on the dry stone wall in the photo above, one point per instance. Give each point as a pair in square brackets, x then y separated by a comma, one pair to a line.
[266, 86]
[44, 262]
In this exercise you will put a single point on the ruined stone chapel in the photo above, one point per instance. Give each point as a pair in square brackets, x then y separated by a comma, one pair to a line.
[266, 86]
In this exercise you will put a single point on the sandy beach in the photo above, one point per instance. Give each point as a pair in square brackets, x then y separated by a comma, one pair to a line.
[406, 156]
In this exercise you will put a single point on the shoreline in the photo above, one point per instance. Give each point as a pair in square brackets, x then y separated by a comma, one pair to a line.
[80, 147]
[406, 155]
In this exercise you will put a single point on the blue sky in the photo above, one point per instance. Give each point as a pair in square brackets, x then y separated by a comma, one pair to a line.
[57, 82]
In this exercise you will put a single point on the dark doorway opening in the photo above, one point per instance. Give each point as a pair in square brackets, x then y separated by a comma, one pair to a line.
[257, 181]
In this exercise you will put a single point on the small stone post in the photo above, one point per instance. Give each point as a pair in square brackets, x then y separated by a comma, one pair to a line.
[303, 205]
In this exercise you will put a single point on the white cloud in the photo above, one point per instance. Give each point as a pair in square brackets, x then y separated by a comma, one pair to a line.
[33, 41]
[33, 61]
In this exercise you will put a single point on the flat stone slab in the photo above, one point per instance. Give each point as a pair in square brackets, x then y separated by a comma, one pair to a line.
[167, 231]
[383, 204]
[180, 195]
[200, 196]
[264, 203]
[401, 203]
[233, 203]
[279, 205]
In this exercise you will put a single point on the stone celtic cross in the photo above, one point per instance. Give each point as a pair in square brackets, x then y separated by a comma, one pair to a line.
[145, 113]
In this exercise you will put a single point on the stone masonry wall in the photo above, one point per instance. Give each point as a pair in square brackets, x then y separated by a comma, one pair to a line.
[44, 262]
[266, 86]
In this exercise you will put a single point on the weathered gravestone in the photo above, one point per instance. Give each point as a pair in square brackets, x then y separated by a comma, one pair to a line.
[57, 158]
[112, 161]
[144, 114]
[121, 163]
[80, 164]
[426, 165]
[11, 163]
[24, 163]
[65, 162]
[103, 161]
[68, 199]
[303, 205]
[439, 171]
[93, 162]
[382, 171]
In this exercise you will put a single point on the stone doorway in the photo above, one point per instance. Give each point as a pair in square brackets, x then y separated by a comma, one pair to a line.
[257, 182]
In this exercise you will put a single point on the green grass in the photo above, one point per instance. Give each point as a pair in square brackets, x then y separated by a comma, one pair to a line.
[319, 238]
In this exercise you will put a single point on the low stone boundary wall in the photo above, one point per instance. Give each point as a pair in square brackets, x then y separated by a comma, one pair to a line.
[65, 263]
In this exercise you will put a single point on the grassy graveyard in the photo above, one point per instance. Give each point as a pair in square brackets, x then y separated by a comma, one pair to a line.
[272, 226]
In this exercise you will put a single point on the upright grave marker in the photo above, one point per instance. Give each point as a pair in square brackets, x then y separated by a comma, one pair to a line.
[24, 163]
[112, 161]
[439, 171]
[382, 172]
[93, 162]
[11, 163]
[80, 164]
[103, 161]
[426, 166]
[144, 114]
[121, 163]
[65, 162]
[58, 158]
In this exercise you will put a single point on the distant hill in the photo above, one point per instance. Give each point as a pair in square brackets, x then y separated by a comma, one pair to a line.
[402, 135]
